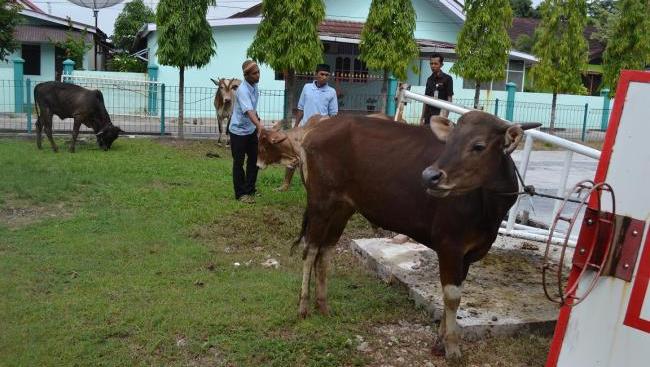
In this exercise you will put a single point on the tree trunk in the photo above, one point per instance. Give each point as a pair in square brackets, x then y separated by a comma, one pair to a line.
[552, 125]
[181, 90]
[477, 94]
[384, 93]
[289, 84]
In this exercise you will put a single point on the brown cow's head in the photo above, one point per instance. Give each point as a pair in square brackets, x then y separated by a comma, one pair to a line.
[107, 135]
[226, 89]
[274, 147]
[474, 151]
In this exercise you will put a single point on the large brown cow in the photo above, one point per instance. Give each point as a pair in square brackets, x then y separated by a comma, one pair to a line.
[68, 100]
[447, 188]
[223, 103]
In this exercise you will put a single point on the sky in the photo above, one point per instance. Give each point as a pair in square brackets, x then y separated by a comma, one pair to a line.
[107, 16]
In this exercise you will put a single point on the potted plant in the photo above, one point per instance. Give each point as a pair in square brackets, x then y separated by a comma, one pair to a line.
[371, 104]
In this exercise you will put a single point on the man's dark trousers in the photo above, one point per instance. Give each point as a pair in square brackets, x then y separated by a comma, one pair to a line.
[243, 146]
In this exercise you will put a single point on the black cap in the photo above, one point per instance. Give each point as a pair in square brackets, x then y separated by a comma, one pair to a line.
[323, 67]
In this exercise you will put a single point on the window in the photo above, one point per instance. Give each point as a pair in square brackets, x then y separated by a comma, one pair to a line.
[514, 74]
[32, 56]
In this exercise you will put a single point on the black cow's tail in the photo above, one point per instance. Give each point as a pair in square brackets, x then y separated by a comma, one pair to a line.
[303, 231]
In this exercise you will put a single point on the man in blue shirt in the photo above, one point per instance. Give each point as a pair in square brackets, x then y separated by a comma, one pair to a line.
[319, 98]
[244, 127]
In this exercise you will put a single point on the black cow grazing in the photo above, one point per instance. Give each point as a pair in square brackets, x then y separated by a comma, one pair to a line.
[448, 188]
[72, 101]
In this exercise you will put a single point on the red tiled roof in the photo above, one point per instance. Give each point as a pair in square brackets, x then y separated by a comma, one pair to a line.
[26, 33]
[31, 6]
[346, 29]
[527, 26]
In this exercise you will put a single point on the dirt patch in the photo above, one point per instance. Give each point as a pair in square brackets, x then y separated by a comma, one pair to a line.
[17, 213]
[204, 148]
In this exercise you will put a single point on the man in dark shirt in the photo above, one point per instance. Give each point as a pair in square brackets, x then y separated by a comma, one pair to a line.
[439, 85]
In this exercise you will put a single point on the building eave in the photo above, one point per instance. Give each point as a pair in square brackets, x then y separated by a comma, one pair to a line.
[61, 21]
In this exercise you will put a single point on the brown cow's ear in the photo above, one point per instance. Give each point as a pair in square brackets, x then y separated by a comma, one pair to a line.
[441, 127]
[530, 125]
[513, 137]
[277, 137]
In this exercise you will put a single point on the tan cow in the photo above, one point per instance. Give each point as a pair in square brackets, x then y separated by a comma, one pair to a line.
[284, 147]
[223, 102]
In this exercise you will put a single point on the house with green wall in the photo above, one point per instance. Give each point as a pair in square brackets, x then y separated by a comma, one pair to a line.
[37, 36]
[437, 28]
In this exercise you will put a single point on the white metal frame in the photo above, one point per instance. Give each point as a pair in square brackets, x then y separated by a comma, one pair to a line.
[510, 228]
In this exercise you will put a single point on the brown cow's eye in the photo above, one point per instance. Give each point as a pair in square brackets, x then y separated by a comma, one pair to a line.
[478, 147]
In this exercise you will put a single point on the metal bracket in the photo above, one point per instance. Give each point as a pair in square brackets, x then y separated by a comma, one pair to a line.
[625, 249]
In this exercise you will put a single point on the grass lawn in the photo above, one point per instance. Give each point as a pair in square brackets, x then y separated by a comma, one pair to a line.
[126, 258]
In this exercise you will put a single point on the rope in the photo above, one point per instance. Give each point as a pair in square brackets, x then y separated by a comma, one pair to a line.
[530, 190]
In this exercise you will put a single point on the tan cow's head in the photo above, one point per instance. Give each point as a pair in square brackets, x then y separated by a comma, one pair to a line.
[474, 150]
[226, 89]
[274, 147]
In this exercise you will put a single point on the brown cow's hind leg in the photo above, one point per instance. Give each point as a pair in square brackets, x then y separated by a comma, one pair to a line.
[48, 131]
[322, 263]
[39, 133]
[307, 264]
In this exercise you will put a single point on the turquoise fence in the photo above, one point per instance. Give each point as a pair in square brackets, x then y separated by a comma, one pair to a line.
[139, 104]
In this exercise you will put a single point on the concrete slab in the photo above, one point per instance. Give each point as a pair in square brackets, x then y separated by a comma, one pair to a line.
[502, 295]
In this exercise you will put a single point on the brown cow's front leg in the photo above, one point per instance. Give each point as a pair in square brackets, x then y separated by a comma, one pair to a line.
[451, 276]
[307, 264]
[322, 264]
[75, 134]
[288, 175]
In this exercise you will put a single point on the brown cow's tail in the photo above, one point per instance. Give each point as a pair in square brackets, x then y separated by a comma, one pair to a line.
[303, 231]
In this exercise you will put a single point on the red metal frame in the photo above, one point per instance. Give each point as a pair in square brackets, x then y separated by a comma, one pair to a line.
[639, 289]
[626, 77]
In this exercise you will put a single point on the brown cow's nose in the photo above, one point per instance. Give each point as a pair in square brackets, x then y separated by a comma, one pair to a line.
[431, 177]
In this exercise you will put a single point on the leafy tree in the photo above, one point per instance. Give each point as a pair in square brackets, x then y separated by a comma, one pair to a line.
[287, 40]
[129, 22]
[126, 63]
[387, 41]
[603, 14]
[185, 39]
[629, 46]
[8, 20]
[483, 42]
[75, 46]
[522, 8]
[561, 48]
[524, 43]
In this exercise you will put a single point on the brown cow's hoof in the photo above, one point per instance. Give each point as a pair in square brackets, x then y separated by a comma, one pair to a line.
[438, 348]
[400, 239]
[282, 188]
[303, 309]
[323, 308]
[453, 354]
